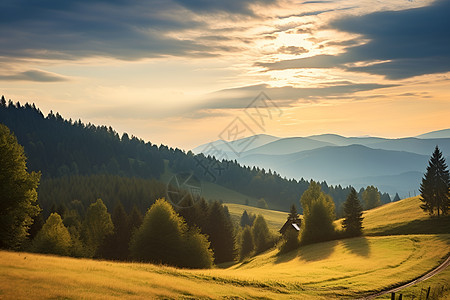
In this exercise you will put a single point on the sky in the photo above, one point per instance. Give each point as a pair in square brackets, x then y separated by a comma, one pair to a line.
[184, 73]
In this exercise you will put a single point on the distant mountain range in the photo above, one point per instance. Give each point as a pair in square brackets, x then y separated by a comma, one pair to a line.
[438, 134]
[394, 165]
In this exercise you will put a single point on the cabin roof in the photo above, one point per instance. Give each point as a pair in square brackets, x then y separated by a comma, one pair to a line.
[294, 223]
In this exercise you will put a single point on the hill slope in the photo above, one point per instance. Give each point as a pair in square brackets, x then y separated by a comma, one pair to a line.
[318, 156]
[64, 148]
[338, 269]
[275, 219]
[403, 217]
[348, 268]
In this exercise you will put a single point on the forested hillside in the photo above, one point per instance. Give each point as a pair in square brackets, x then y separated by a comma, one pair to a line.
[65, 148]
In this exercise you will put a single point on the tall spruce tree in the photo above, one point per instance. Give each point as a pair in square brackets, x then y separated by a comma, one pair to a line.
[220, 230]
[435, 186]
[293, 215]
[352, 215]
[115, 246]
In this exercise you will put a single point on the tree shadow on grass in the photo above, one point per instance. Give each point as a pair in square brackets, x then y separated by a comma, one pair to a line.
[312, 252]
[359, 246]
[432, 225]
[285, 257]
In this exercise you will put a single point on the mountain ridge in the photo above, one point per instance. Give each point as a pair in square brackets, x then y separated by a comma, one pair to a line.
[443, 133]
[360, 160]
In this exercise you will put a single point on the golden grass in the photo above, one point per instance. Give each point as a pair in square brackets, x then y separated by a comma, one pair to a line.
[401, 217]
[402, 211]
[337, 269]
[275, 219]
[349, 267]
[439, 288]
[32, 276]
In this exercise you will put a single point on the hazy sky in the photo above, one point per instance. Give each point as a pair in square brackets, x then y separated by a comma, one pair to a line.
[183, 72]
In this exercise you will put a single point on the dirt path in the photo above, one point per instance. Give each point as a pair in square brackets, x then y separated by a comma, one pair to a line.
[433, 272]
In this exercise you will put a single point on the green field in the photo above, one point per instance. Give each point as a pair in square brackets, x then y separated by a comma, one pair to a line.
[348, 268]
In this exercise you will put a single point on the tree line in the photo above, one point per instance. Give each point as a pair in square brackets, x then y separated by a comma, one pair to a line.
[95, 233]
[318, 212]
[65, 148]
[195, 234]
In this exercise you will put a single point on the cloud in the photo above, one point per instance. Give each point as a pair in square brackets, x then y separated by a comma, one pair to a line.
[230, 6]
[126, 30]
[285, 96]
[317, 2]
[318, 61]
[401, 44]
[292, 50]
[33, 75]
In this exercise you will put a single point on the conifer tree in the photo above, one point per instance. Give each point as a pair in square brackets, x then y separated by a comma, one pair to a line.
[245, 220]
[371, 197]
[352, 222]
[116, 245]
[247, 244]
[221, 233]
[396, 198]
[293, 215]
[18, 196]
[435, 186]
[96, 227]
[261, 235]
[135, 219]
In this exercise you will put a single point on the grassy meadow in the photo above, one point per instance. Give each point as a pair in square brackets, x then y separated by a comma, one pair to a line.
[349, 268]
[337, 269]
[275, 219]
[402, 217]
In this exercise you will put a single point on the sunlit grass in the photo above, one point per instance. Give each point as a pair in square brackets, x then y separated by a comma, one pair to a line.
[439, 288]
[32, 276]
[402, 211]
[402, 217]
[275, 219]
[345, 268]
[349, 267]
